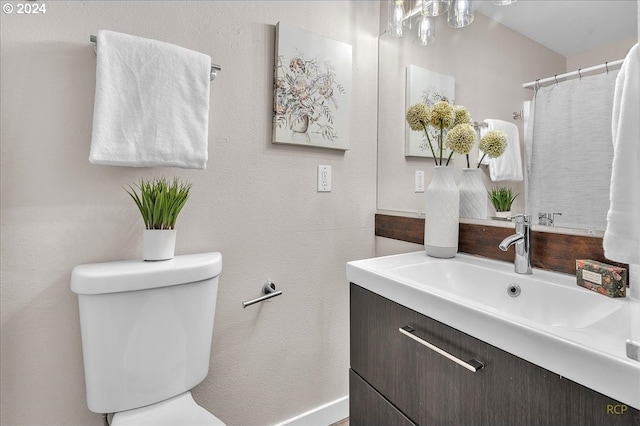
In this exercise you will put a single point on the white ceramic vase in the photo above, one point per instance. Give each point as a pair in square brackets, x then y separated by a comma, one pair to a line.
[158, 244]
[441, 214]
[473, 195]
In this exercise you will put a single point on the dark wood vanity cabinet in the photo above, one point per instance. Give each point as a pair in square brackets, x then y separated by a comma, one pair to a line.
[395, 380]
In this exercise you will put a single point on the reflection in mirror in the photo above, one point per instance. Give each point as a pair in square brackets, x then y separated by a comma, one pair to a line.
[569, 152]
[489, 62]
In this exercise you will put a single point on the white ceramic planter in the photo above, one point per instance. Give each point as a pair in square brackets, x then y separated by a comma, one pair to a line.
[473, 195]
[503, 215]
[442, 214]
[158, 244]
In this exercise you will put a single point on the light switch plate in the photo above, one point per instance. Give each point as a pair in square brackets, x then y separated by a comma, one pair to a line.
[324, 178]
[419, 181]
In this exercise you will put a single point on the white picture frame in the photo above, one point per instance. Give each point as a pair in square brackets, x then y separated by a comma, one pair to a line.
[427, 87]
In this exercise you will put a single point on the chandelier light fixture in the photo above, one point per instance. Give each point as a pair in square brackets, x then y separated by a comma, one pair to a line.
[459, 14]
[426, 29]
[396, 18]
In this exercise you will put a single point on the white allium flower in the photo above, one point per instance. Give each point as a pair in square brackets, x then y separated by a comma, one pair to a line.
[442, 114]
[418, 116]
[494, 143]
[462, 115]
[460, 139]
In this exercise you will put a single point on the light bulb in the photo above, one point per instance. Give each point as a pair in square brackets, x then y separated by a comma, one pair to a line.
[426, 29]
[460, 13]
[435, 7]
[396, 18]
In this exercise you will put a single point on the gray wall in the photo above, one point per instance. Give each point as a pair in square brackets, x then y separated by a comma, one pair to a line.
[256, 203]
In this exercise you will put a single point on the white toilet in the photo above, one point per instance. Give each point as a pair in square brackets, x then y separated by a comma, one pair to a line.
[146, 337]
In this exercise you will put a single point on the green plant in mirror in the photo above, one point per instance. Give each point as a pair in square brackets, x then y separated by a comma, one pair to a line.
[502, 198]
[160, 201]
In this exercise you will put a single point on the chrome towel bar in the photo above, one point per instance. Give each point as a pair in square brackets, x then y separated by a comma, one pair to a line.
[214, 68]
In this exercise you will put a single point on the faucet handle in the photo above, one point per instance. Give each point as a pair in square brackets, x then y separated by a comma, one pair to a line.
[521, 218]
[547, 218]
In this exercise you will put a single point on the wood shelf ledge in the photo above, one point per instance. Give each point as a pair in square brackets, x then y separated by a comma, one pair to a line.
[550, 251]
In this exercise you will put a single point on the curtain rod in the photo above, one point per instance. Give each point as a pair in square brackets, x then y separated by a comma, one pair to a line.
[606, 65]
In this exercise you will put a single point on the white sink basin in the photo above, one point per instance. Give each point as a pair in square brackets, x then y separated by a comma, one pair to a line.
[547, 298]
[552, 323]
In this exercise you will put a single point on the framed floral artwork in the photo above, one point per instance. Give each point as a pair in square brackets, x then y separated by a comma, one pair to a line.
[312, 89]
[427, 87]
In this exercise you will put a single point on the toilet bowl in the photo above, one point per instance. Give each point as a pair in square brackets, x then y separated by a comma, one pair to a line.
[180, 410]
[147, 329]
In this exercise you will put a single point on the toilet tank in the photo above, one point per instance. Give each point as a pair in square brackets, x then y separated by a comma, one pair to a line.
[146, 328]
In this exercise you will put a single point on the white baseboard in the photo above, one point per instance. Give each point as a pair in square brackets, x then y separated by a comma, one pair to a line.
[324, 415]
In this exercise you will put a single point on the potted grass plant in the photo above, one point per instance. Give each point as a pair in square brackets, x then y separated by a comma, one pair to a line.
[502, 198]
[160, 203]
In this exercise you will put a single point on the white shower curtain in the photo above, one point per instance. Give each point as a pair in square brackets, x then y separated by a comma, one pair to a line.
[569, 151]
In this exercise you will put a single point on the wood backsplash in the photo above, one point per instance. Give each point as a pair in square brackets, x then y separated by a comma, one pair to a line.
[556, 252]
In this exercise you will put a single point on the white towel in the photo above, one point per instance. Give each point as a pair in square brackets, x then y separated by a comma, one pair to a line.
[151, 104]
[509, 165]
[621, 241]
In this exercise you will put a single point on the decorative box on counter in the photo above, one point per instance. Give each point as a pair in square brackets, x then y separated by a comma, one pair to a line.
[605, 279]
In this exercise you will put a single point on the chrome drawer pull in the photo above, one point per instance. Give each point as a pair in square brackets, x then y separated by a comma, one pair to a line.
[473, 365]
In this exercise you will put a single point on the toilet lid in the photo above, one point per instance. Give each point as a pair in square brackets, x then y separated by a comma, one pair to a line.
[179, 410]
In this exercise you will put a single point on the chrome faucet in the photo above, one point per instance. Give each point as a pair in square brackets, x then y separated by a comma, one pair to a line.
[522, 241]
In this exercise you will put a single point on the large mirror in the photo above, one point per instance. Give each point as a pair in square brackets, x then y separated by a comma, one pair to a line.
[489, 62]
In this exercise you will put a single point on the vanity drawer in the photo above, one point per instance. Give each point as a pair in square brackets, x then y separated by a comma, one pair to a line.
[430, 389]
[367, 407]
[425, 386]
